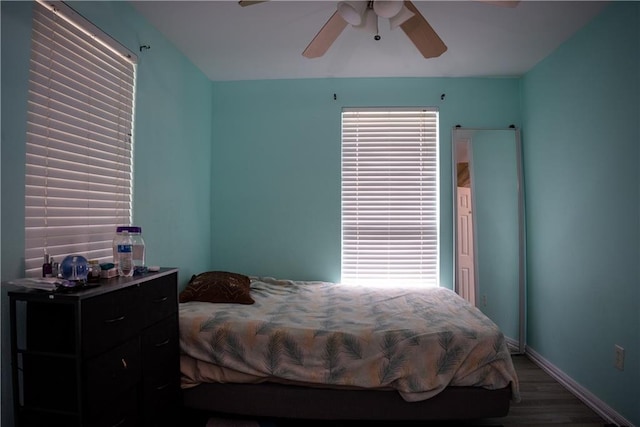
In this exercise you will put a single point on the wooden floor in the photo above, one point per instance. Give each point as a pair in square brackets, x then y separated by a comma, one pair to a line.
[544, 401]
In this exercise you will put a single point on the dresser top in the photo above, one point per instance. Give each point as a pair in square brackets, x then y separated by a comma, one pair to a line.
[92, 290]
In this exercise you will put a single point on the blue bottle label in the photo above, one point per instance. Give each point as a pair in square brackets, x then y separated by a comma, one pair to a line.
[124, 248]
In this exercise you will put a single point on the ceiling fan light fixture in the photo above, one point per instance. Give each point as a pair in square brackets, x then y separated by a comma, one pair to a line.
[370, 22]
[352, 11]
[387, 9]
[401, 17]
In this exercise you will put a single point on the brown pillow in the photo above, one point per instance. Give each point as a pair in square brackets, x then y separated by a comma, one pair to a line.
[218, 286]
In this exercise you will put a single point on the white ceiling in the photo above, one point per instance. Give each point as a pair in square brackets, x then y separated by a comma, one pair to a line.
[266, 40]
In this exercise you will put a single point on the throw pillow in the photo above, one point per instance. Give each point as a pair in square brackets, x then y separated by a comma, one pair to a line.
[218, 287]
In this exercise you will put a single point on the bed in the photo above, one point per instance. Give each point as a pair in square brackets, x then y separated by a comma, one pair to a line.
[320, 350]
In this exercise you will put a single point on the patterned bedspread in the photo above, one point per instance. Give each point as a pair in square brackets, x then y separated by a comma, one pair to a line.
[417, 341]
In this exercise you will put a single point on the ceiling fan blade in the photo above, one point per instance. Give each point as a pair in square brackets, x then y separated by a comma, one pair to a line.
[503, 3]
[244, 3]
[422, 34]
[325, 37]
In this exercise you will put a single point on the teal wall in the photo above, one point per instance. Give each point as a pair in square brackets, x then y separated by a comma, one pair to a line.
[276, 164]
[172, 148]
[581, 150]
[16, 27]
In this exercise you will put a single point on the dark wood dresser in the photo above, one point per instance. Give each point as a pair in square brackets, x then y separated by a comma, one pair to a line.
[103, 356]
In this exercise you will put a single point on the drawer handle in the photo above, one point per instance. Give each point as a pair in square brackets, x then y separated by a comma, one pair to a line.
[162, 387]
[124, 363]
[119, 423]
[160, 344]
[159, 300]
[117, 319]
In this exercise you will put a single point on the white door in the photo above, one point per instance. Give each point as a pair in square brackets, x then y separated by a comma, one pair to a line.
[465, 275]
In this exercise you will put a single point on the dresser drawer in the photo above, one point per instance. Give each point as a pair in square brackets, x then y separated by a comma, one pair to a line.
[160, 354]
[110, 319]
[161, 373]
[112, 374]
[161, 407]
[121, 410]
[160, 344]
[159, 298]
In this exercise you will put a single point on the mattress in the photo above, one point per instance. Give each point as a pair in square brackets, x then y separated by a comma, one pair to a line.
[330, 335]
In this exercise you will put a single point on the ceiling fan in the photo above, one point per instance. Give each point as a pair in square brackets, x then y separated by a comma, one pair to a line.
[365, 14]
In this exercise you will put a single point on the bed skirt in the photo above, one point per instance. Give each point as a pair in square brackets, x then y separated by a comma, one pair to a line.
[271, 400]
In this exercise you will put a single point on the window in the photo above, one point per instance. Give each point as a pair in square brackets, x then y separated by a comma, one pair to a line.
[79, 138]
[390, 196]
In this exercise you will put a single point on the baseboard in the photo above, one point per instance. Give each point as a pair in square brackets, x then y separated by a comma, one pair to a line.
[513, 345]
[588, 398]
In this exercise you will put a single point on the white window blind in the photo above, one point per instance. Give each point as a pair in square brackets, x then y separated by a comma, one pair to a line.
[390, 196]
[79, 137]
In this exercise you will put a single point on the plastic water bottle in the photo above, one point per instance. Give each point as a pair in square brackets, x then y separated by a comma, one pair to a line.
[131, 235]
[124, 251]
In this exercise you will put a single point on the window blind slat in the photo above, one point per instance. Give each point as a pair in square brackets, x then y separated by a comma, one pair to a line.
[111, 150]
[390, 196]
[54, 76]
[49, 30]
[110, 116]
[74, 165]
[78, 174]
[40, 145]
[68, 179]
